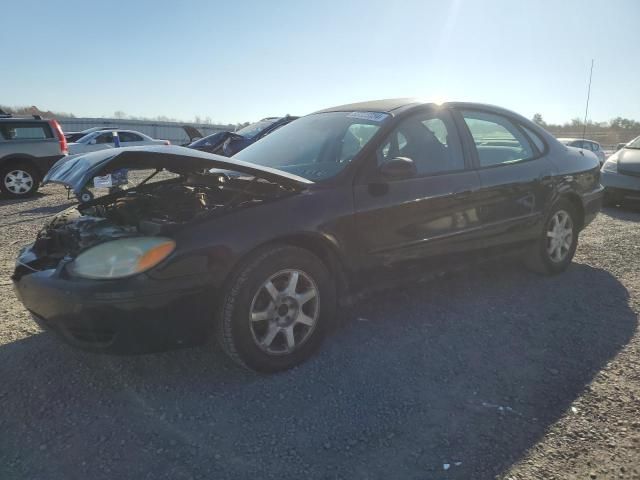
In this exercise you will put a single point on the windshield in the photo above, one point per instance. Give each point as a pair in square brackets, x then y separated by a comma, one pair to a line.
[210, 141]
[317, 146]
[254, 129]
[635, 143]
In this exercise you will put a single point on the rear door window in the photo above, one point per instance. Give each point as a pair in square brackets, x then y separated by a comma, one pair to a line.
[497, 139]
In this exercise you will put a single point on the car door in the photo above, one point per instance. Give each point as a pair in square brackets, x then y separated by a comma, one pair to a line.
[429, 214]
[515, 175]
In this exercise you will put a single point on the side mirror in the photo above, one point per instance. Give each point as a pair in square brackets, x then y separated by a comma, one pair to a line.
[92, 142]
[398, 168]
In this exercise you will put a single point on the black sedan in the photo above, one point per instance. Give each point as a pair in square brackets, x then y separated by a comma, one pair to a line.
[339, 202]
[230, 143]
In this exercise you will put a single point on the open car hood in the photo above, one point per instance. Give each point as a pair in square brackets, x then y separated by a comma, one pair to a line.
[76, 171]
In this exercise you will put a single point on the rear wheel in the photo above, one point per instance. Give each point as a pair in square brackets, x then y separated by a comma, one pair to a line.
[276, 309]
[18, 180]
[553, 251]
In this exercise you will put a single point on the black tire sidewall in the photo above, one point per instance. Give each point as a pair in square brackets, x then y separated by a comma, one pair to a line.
[238, 340]
[550, 265]
[5, 169]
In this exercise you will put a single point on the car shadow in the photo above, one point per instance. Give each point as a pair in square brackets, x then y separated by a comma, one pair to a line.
[624, 212]
[6, 200]
[469, 371]
[34, 214]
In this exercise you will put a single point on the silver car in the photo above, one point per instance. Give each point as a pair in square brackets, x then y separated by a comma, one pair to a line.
[620, 174]
[590, 145]
[104, 139]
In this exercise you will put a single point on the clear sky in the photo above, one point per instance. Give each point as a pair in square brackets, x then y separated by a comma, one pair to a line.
[242, 60]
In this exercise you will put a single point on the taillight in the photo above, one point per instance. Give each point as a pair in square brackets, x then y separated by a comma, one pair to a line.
[64, 148]
[167, 142]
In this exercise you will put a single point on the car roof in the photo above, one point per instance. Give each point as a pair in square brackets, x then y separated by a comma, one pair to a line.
[395, 106]
[21, 119]
[391, 105]
[117, 130]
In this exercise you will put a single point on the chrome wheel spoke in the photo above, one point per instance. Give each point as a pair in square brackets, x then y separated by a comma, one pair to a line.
[293, 284]
[305, 319]
[263, 315]
[291, 340]
[272, 333]
[272, 290]
[306, 296]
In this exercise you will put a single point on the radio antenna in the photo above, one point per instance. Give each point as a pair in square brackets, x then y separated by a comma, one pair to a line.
[586, 109]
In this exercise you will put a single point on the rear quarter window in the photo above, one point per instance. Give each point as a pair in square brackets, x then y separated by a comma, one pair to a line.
[25, 131]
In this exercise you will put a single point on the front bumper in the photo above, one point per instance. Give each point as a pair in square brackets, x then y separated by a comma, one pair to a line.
[135, 315]
[621, 187]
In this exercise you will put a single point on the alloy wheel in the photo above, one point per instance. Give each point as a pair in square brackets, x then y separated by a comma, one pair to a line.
[284, 312]
[18, 182]
[559, 236]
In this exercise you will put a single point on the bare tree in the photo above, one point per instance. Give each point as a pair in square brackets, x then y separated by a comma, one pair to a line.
[537, 118]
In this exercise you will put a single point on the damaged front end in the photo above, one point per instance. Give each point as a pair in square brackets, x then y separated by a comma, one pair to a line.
[82, 277]
[153, 210]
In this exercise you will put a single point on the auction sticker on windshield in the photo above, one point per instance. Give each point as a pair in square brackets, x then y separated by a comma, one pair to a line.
[372, 116]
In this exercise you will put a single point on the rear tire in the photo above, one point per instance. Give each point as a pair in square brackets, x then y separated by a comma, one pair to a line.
[276, 309]
[19, 180]
[553, 251]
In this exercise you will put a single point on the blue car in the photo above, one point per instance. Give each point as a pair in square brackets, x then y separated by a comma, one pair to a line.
[230, 143]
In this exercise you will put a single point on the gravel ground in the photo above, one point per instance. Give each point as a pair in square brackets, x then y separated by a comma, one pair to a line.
[491, 373]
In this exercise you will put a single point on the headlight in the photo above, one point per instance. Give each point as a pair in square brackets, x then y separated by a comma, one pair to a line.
[610, 166]
[121, 258]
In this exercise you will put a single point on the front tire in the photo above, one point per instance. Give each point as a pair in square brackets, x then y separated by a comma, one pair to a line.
[276, 309]
[553, 252]
[18, 180]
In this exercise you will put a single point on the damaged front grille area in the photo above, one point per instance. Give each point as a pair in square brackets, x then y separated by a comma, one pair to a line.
[157, 209]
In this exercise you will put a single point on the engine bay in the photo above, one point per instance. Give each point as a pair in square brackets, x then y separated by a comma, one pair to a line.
[150, 209]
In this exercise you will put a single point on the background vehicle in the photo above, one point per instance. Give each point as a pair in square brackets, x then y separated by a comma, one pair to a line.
[103, 139]
[230, 143]
[590, 145]
[621, 174]
[28, 148]
[75, 136]
[343, 200]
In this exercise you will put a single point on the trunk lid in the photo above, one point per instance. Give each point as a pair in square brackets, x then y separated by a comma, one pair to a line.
[76, 171]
